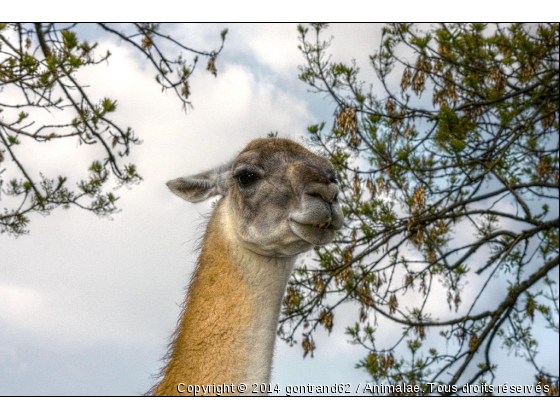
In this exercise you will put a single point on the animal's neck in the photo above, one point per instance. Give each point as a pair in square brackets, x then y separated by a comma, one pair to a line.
[228, 329]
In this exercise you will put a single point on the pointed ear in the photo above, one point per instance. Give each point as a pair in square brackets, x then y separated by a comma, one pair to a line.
[199, 187]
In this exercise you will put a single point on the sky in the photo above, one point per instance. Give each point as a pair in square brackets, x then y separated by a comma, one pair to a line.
[87, 304]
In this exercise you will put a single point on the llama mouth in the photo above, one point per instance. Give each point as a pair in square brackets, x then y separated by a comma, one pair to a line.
[325, 225]
[314, 233]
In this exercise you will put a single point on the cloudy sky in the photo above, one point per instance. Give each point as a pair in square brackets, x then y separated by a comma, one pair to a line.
[87, 305]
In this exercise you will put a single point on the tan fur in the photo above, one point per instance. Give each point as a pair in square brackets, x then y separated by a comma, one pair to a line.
[210, 345]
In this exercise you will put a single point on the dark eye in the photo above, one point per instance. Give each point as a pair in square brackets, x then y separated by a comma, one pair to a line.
[333, 179]
[246, 178]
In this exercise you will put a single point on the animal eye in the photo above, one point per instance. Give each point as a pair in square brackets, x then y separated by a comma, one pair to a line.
[246, 178]
[333, 179]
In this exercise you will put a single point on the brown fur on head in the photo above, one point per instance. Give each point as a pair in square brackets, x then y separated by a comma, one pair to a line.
[280, 198]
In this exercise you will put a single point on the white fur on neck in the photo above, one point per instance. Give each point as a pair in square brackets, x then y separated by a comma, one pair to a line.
[267, 278]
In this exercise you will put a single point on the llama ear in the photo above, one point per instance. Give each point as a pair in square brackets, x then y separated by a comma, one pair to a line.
[199, 187]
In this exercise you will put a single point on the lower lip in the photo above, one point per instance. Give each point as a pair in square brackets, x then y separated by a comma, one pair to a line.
[328, 227]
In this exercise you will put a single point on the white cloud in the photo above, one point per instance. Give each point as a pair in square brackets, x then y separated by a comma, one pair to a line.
[275, 45]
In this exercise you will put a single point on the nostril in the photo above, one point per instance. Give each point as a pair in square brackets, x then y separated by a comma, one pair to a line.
[322, 192]
[315, 195]
[324, 197]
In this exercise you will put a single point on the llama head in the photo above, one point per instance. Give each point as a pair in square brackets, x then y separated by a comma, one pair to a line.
[279, 198]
